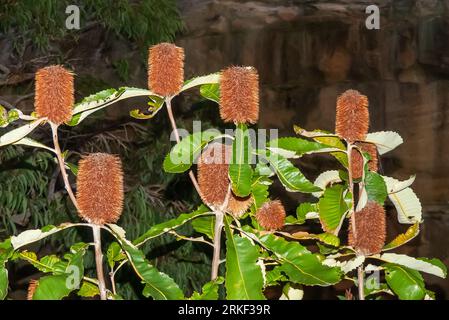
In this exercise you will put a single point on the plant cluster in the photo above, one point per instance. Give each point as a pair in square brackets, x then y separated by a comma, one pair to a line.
[249, 231]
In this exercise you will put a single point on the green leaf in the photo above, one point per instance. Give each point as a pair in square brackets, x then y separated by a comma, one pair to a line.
[157, 284]
[32, 143]
[333, 207]
[52, 288]
[375, 187]
[244, 279]
[209, 291]
[297, 147]
[19, 133]
[406, 283]
[114, 254]
[303, 209]
[3, 282]
[403, 238]
[290, 176]
[88, 290]
[240, 171]
[183, 154]
[102, 99]
[211, 91]
[198, 81]
[299, 264]
[33, 235]
[155, 105]
[259, 191]
[166, 226]
[431, 266]
[205, 225]
[385, 141]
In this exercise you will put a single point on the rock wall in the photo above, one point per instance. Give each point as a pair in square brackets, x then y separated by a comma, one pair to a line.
[308, 52]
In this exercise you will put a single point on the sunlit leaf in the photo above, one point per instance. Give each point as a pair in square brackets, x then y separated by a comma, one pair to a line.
[240, 171]
[333, 208]
[403, 238]
[385, 141]
[406, 283]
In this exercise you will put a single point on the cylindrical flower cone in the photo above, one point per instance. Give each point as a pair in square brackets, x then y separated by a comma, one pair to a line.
[370, 227]
[352, 119]
[54, 97]
[100, 188]
[239, 95]
[271, 216]
[165, 69]
[357, 159]
[213, 180]
[32, 286]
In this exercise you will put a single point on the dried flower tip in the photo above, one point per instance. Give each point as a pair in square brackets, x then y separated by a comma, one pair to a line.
[165, 69]
[54, 96]
[371, 149]
[239, 95]
[32, 286]
[271, 216]
[213, 180]
[100, 188]
[352, 120]
[237, 206]
[357, 159]
[370, 230]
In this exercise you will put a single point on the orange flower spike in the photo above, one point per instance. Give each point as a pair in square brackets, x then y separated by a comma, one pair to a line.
[100, 188]
[370, 224]
[165, 69]
[239, 95]
[352, 119]
[54, 97]
[271, 216]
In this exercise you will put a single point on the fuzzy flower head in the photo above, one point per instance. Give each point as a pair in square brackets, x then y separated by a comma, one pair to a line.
[271, 216]
[213, 180]
[54, 97]
[352, 120]
[239, 95]
[370, 227]
[32, 286]
[100, 188]
[165, 69]
[357, 159]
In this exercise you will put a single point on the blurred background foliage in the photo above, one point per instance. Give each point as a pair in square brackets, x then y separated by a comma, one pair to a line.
[31, 191]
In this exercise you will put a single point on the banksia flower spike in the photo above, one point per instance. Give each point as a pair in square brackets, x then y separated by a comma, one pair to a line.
[54, 96]
[213, 180]
[271, 216]
[352, 120]
[100, 188]
[357, 159]
[165, 69]
[32, 286]
[370, 227]
[239, 95]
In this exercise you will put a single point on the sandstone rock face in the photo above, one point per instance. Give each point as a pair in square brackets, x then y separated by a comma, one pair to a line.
[309, 52]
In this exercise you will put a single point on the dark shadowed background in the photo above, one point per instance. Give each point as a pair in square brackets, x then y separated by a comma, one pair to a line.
[306, 52]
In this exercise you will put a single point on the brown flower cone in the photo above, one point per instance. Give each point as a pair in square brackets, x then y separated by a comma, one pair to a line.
[213, 179]
[100, 188]
[352, 120]
[54, 97]
[32, 286]
[271, 216]
[370, 228]
[357, 159]
[165, 69]
[239, 95]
